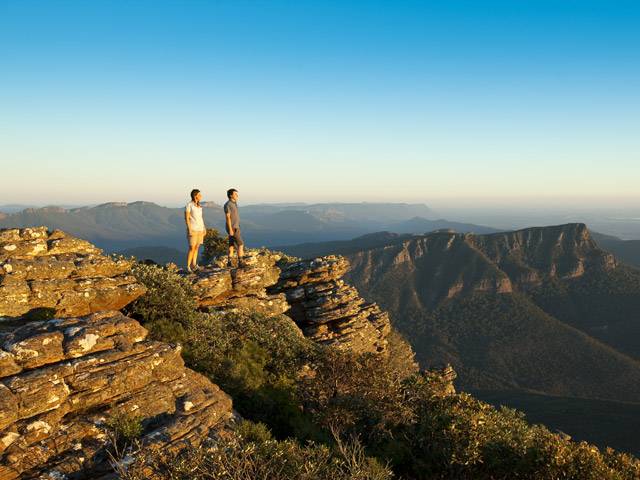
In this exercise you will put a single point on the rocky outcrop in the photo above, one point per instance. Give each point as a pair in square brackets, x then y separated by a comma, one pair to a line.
[52, 270]
[62, 380]
[311, 292]
[220, 288]
[330, 311]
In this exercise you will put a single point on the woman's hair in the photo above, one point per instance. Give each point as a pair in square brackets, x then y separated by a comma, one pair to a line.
[194, 192]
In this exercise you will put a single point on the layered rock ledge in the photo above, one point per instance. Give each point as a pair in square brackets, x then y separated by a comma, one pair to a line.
[220, 288]
[62, 380]
[330, 311]
[311, 292]
[42, 269]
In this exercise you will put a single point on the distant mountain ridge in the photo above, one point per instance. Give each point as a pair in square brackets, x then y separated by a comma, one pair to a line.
[498, 263]
[117, 226]
[626, 250]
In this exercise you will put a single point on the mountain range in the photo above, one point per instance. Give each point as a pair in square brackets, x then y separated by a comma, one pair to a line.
[118, 226]
[534, 318]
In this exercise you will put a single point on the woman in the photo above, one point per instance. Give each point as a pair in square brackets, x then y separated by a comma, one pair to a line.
[195, 229]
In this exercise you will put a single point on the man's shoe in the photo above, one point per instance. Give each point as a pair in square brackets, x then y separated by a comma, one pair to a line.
[229, 264]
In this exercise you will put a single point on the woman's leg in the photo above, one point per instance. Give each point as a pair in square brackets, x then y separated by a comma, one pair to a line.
[192, 256]
[189, 256]
[196, 249]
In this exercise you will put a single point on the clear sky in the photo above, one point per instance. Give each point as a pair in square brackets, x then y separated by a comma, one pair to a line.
[435, 101]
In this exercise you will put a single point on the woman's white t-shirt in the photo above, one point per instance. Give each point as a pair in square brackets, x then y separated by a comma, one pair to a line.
[196, 223]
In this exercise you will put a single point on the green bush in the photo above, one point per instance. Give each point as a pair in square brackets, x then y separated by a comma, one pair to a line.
[250, 453]
[169, 304]
[123, 428]
[215, 245]
[426, 433]
[256, 359]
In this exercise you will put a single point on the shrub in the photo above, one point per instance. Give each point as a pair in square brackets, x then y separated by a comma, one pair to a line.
[214, 245]
[169, 304]
[256, 359]
[426, 434]
[123, 428]
[355, 394]
[251, 453]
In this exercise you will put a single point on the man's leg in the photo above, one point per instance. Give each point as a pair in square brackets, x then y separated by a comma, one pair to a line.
[229, 264]
[240, 245]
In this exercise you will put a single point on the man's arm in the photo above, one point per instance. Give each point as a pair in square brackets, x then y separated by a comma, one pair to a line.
[229, 227]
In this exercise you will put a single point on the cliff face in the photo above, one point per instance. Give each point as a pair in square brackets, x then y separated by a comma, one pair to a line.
[42, 269]
[528, 256]
[311, 292]
[444, 265]
[540, 309]
[61, 380]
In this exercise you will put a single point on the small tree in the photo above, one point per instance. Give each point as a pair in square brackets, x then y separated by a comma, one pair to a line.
[214, 245]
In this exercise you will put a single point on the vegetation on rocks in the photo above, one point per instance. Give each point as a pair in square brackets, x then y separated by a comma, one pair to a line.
[305, 392]
[251, 453]
[215, 245]
[169, 304]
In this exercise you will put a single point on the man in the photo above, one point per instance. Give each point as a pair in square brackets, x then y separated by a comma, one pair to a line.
[195, 229]
[232, 225]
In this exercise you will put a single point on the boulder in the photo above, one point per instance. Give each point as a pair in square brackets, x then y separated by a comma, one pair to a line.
[62, 380]
[40, 269]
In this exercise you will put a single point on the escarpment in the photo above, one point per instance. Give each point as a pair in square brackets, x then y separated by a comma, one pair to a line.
[444, 265]
[40, 269]
[64, 380]
[311, 292]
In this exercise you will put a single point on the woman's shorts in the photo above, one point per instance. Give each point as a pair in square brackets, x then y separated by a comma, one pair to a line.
[196, 238]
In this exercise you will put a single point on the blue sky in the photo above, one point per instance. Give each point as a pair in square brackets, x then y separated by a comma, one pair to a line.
[434, 101]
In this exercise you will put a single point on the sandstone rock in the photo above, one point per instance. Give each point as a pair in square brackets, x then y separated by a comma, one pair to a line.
[310, 292]
[218, 284]
[266, 304]
[330, 311]
[42, 269]
[62, 379]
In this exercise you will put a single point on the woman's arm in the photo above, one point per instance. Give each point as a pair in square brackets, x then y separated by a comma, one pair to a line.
[186, 219]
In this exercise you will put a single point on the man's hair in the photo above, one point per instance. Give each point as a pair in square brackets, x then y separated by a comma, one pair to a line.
[230, 192]
[194, 192]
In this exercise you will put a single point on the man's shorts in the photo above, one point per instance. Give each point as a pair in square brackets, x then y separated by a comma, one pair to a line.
[235, 240]
[196, 238]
